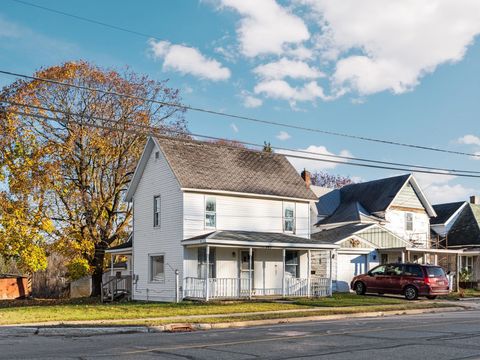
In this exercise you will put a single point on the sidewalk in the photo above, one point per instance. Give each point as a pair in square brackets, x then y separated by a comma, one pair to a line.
[192, 323]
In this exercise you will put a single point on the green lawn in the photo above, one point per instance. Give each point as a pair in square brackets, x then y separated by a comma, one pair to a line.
[34, 311]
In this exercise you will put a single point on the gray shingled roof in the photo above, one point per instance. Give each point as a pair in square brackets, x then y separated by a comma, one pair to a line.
[207, 166]
[350, 212]
[375, 196]
[466, 229]
[445, 212]
[339, 233]
[256, 237]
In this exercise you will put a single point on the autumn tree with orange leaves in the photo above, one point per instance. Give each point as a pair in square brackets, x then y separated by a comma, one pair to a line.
[77, 149]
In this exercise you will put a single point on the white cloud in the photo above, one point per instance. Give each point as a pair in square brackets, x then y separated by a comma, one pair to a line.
[250, 101]
[234, 127]
[188, 60]
[390, 45]
[469, 139]
[283, 135]
[266, 27]
[280, 89]
[284, 67]
[440, 189]
[315, 165]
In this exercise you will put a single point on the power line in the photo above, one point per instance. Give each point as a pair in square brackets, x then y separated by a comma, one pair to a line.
[82, 18]
[149, 127]
[240, 117]
[160, 136]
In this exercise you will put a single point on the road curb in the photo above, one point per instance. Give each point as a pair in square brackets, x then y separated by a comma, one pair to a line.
[183, 327]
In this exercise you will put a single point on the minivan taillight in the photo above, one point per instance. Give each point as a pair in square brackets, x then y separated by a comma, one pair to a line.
[426, 280]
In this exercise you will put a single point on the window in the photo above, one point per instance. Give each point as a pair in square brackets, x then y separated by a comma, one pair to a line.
[202, 263]
[210, 212]
[413, 270]
[157, 268]
[435, 272]
[157, 155]
[379, 270]
[292, 267]
[384, 259]
[394, 270]
[288, 217]
[156, 211]
[467, 263]
[409, 221]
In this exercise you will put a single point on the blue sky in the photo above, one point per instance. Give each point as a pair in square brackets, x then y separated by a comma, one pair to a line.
[406, 71]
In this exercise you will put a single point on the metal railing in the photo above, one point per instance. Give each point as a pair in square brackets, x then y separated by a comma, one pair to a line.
[116, 287]
[230, 288]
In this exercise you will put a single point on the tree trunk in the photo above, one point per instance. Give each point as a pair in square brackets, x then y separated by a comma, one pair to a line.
[97, 274]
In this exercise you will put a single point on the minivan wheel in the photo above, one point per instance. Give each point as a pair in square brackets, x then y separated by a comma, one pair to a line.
[431, 297]
[360, 288]
[411, 293]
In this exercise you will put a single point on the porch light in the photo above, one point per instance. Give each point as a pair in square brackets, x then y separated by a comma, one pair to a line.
[234, 254]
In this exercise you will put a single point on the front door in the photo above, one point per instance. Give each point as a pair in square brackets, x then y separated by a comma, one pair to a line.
[244, 272]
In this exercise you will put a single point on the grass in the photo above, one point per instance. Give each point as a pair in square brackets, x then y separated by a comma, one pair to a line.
[464, 293]
[36, 311]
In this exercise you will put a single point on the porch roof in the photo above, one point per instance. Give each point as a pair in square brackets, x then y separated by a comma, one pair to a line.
[421, 250]
[125, 248]
[257, 239]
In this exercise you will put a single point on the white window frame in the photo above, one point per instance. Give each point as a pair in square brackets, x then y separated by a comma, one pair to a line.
[408, 222]
[214, 213]
[468, 263]
[295, 264]
[284, 218]
[157, 224]
[151, 280]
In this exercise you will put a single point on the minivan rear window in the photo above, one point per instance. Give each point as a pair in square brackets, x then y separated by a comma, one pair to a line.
[435, 272]
[413, 270]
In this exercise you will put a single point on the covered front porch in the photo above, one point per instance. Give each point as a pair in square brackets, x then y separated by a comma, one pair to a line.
[240, 264]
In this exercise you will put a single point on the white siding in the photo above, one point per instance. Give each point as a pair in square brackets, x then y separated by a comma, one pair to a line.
[421, 226]
[242, 213]
[157, 179]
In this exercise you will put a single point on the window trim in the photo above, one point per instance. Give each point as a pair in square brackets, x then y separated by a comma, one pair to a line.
[150, 263]
[297, 264]
[157, 225]
[212, 262]
[284, 218]
[210, 212]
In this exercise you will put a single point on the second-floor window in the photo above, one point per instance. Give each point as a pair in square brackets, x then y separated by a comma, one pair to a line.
[156, 211]
[409, 221]
[288, 217]
[210, 212]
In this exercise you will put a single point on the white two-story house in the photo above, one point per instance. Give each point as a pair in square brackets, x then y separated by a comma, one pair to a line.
[380, 221]
[213, 221]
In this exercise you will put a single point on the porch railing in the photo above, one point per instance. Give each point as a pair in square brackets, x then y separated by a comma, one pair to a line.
[116, 288]
[228, 288]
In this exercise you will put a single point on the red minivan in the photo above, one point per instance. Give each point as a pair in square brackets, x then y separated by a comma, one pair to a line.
[411, 280]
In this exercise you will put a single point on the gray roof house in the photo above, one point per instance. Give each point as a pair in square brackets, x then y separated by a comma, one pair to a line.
[385, 220]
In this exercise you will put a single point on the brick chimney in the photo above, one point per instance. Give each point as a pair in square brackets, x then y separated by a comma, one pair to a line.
[306, 177]
[474, 199]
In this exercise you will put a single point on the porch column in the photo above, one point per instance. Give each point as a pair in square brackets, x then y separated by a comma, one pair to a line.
[207, 273]
[403, 256]
[111, 264]
[330, 263]
[283, 273]
[250, 253]
[457, 273]
[435, 259]
[309, 269]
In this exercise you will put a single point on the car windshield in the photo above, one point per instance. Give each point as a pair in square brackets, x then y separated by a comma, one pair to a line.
[435, 272]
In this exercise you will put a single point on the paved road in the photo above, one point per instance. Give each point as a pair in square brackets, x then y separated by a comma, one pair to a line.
[429, 336]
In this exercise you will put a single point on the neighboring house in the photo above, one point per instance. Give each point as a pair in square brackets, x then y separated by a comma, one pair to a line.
[458, 227]
[385, 220]
[214, 221]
